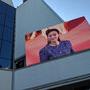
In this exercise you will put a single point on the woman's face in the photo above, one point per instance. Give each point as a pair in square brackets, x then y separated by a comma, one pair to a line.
[53, 36]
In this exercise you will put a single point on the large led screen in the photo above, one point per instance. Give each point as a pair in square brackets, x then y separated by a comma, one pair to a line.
[57, 41]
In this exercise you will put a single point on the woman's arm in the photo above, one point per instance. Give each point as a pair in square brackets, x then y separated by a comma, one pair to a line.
[69, 46]
[43, 55]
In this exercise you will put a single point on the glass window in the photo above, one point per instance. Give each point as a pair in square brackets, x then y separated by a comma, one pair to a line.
[7, 16]
[0, 45]
[8, 34]
[10, 12]
[1, 31]
[5, 63]
[3, 7]
[6, 50]
[2, 18]
[9, 22]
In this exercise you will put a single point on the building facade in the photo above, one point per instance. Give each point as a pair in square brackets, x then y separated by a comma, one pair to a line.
[71, 72]
[7, 29]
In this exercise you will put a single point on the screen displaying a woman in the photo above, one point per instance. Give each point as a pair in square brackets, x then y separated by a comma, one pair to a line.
[55, 47]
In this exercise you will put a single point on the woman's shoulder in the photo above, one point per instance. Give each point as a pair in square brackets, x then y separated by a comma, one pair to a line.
[44, 49]
[67, 43]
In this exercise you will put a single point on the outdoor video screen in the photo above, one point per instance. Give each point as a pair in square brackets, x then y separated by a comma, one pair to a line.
[57, 41]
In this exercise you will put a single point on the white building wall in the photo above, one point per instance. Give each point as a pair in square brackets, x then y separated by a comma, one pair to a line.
[30, 16]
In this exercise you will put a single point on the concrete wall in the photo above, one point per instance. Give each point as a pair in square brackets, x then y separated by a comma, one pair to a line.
[5, 79]
[8, 2]
[50, 74]
[31, 16]
[57, 72]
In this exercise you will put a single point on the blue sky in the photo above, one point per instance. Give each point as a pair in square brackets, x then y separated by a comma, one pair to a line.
[68, 9]
[17, 2]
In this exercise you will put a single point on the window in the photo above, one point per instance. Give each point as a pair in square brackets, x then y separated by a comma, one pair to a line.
[3, 7]
[0, 46]
[7, 16]
[1, 31]
[6, 50]
[5, 63]
[9, 23]
[8, 34]
[2, 18]
[10, 13]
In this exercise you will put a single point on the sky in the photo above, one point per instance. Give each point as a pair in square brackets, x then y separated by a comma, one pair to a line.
[67, 9]
[17, 3]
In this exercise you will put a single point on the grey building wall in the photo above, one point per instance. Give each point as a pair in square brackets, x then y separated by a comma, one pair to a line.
[31, 16]
[64, 71]
[5, 79]
[54, 73]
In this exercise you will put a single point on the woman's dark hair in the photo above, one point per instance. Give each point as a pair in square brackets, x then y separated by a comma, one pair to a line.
[50, 30]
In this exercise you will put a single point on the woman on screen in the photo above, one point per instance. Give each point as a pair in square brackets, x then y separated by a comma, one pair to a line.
[55, 47]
